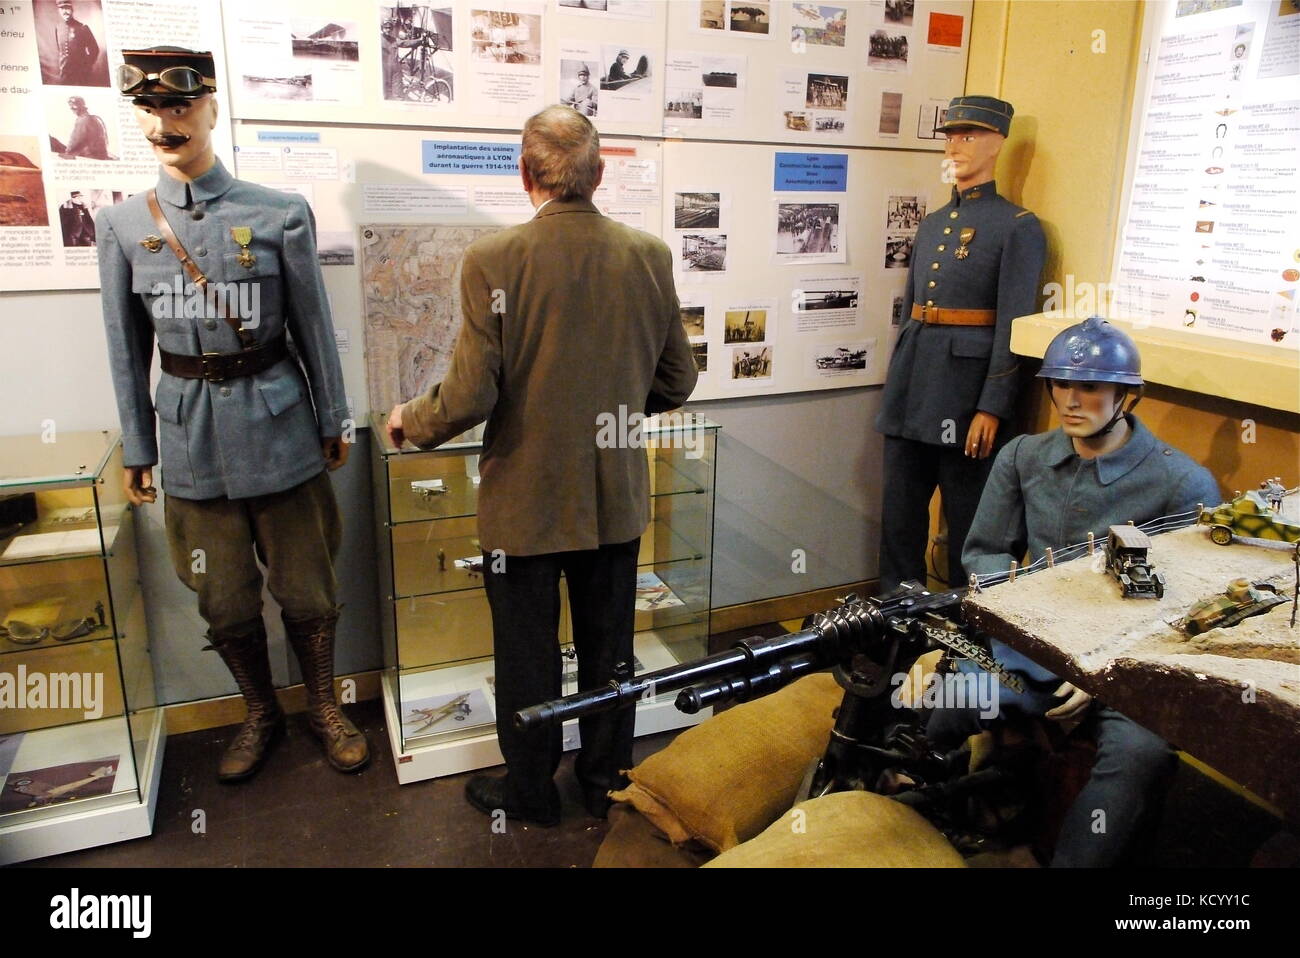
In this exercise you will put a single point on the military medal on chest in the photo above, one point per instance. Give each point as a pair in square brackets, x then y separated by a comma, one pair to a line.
[152, 243]
[243, 235]
[963, 250]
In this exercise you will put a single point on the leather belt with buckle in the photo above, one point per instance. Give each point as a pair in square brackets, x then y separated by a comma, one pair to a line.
[941, 316]
[216, 367]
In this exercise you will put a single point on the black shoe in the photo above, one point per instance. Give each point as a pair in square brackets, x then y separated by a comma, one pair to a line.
[487, 793]
[596, 801]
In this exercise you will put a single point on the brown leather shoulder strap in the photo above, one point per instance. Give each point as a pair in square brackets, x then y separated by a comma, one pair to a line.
[197, 277]
[174, 244]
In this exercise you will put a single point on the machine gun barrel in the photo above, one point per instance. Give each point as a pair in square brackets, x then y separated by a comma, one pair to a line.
[757, 666]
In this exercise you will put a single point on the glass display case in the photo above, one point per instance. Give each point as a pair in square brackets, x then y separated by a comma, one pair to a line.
[81, 733]
[437, 628]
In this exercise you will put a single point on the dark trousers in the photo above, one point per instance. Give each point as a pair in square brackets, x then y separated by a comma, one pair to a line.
[525, 600]
[1124, 792]
[912, 470]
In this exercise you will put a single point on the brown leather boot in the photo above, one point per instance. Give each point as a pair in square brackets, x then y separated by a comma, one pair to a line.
[245, 656]
[313, 643]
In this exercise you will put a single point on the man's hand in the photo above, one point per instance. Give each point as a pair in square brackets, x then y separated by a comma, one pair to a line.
[1073, 708]
[335, 451]
[138, 483]
[980, 436]
[396, 435]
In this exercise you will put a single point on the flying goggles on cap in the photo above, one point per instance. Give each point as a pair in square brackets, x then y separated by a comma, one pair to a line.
[186, 81]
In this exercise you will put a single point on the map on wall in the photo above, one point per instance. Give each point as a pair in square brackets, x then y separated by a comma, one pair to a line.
[410, 293]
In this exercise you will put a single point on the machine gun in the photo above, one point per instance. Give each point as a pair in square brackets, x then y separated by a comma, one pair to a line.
[875, 745]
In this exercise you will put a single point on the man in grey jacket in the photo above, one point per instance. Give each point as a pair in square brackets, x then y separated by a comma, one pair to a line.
[568, 320]
[220, 271]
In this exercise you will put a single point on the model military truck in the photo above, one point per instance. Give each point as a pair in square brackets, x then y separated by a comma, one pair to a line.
[1127, 559]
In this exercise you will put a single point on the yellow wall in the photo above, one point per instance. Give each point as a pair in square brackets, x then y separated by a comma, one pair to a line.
[1065, 161]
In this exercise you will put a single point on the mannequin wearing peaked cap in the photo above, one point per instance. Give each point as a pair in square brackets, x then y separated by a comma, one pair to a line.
[247, 435]
[952, 382]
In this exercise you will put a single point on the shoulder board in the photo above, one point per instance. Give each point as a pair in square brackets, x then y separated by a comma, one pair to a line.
[1024, 213]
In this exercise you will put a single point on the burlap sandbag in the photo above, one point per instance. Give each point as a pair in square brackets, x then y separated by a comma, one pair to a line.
[725, 780]
[845, 830]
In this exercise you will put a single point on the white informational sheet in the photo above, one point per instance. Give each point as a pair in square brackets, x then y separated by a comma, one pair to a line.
[814, 103]
[506, 58]
[837, 359]
[69, 142]
[297, 58]
[1213, 221]
[808, 230]
[826, 302]
[704, 89]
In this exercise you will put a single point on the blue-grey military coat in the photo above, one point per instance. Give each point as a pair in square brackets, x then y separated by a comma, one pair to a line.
[243, 437]
[946, 373]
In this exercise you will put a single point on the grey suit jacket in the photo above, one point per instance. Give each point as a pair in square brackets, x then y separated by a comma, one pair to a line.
[586, 321]
[243, 437]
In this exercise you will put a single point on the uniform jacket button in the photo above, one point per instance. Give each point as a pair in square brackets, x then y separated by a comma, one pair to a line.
[196, 215]
[202, 251]
[225, 390]
[210, 323]
[942, 247]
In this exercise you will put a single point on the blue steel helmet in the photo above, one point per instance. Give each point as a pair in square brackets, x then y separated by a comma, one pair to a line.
[1093, 351]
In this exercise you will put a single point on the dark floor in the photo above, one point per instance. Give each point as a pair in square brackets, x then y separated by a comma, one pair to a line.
[300, 812]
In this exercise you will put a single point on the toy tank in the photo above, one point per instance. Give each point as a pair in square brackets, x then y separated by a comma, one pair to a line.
[1240, 601]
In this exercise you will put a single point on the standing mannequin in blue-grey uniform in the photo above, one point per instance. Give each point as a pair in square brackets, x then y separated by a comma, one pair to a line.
[952, 381]
[1102, 467]
[219, 272]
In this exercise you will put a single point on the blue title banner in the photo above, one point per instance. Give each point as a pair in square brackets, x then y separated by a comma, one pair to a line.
[812, 172]
[467, 156]
[286, 136]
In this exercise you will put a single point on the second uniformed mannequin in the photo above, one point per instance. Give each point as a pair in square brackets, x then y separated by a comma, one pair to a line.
[219, 271]
[952, 380]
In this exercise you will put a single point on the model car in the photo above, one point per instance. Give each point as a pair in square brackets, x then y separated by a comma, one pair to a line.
[1127, 559]
[1249, 515]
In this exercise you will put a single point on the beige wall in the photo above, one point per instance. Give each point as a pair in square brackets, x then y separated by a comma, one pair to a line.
[1065, 161]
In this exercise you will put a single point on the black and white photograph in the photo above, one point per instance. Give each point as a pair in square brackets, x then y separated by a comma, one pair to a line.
[751, 362]
[719, 79]
[713, 14]
[415, 47]
[22, 188]
[701, 353]
[278, 85]
[320, 39]
[929, 118]
[704, 254]
[887, 50]
[839, 358]
[904, 212]
[748, 16]
[830, 297]
[819, 25]
[896, 311]
[503, 37]
[601, 5]
[828, 124]
[796, 120]
[807, 228]
[578, 86]
[891, 113]
[898, 250]
[684, 104]
[900, 12]
[697, 211]
[625, 66]
[70, 42]
[693, 320]
[744, 326]
[77, 214]
[336, 248]
[82, 126]
[827, 92]
[445, 713]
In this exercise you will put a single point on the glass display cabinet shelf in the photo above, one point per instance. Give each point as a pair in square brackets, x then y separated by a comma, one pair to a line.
[81, 733]
[437, 629]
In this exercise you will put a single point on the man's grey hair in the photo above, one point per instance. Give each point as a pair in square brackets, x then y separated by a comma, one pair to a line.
[562, 153]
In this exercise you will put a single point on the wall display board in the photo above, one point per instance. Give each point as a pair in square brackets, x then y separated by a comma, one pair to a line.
[411, 191]
[482, 64]
[1210, 243]
[791, 265]
[69, 143]
[835, 73]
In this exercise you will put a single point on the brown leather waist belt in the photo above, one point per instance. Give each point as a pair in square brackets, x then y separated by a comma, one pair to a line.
[215, 367]
[939, 316]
